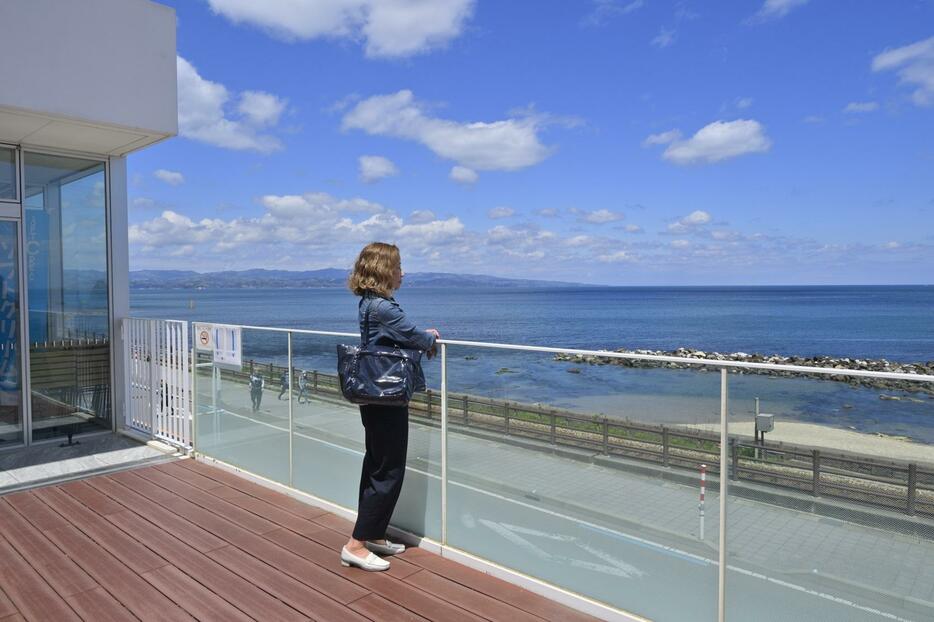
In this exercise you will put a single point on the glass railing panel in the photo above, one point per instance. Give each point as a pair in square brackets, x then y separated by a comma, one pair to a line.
[831, 515]
[586, 476]
[239, 420]
[328, 442]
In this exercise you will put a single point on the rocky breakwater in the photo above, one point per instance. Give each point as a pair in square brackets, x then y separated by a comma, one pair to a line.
[877, 365]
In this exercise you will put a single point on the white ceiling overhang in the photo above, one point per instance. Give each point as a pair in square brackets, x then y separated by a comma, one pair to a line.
[21, 127]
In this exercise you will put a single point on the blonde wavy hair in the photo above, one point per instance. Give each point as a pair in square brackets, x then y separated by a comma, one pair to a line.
[373, 269]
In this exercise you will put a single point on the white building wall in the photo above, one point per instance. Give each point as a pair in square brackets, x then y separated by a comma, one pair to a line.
[119, 284]
[106, 62]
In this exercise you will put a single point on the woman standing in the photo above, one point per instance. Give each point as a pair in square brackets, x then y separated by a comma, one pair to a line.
[377, 273]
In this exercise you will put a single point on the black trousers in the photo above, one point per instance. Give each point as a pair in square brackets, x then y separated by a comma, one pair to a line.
[387, 439]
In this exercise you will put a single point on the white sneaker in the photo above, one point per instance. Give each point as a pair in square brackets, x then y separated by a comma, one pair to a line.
[390, 548]
[371, 562]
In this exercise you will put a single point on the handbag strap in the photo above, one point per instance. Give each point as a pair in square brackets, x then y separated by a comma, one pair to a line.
[366, 320]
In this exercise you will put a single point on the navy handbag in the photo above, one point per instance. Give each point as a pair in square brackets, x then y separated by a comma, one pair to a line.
[374, 374]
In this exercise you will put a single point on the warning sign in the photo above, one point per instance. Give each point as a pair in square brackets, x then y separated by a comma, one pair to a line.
[204, 337]
[222, 341]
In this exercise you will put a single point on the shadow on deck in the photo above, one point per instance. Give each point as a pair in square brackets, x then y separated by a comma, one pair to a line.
[185, 540]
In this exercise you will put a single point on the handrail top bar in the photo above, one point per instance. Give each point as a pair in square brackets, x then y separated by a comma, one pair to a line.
[826, 371]
[830, 371]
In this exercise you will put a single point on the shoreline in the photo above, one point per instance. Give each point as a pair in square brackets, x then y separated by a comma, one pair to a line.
[842, 363]
[832, 439]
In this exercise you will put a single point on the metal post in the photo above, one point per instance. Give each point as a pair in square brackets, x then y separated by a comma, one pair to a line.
[153, 397]
[506, 415]
[665, 445]
[703, 489]
[734, 451]
[755, 427]
[193, 404]
[466, 411]
[724, 446]
[912, 487]
[606, 437]
[444, 444]
[815, 464]
[291, 423]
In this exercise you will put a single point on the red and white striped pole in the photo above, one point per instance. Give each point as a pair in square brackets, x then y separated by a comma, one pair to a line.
[703, 488]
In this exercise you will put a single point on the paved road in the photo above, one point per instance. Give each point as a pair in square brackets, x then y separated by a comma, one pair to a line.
[626, 539]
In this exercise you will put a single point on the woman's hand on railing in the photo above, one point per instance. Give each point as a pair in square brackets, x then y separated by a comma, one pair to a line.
[434, 349]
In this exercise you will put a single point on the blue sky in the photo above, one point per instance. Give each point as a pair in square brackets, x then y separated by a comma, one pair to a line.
[614, 142]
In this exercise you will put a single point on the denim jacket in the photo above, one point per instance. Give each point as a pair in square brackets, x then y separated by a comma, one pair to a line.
[390, 326]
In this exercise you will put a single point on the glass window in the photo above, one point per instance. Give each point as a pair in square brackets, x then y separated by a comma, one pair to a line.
[7, 174]
[65, 220]
[11, 400]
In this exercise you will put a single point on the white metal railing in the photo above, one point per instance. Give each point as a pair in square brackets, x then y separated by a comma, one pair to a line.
[724, 445]
[158, 380]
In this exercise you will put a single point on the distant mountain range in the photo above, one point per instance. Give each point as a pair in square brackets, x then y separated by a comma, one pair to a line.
[328, 277]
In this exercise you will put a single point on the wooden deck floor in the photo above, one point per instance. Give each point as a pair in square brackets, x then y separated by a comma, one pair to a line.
[185, 540]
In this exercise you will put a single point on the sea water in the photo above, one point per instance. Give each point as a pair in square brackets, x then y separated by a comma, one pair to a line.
[895, 323]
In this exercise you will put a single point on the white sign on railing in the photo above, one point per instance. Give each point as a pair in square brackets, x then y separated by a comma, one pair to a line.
[223, 341]
[204, 337]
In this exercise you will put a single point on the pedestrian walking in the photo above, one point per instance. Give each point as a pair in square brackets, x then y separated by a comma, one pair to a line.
[303, 387]
[284, 383]
[256, 390]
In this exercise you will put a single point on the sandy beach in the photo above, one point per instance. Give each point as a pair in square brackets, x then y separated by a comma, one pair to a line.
[834, 439]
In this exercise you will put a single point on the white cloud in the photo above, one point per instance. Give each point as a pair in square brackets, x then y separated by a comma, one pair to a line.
[201, 115]
[261, 109]
[308, 221]
[680, 243]
[463, 175]
[526, 243]
[891, 245]
[776, 9]
[598, 217]
[373, 168]
[860, 107]
[420, 217]
[604, 10]
[814, 119]
[664, 38]
[499, 145]
[500, 212]
[743, 102]
[547, 212]
[389, 28]
[691, 222]
[633, 229]
[616, 257]
[720, 140]
[915, 66]
[725, 235]
[173, 178]
[662, 139]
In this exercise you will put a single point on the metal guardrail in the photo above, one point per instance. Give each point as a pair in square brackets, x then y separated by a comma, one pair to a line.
[895, 485]
[822, 474]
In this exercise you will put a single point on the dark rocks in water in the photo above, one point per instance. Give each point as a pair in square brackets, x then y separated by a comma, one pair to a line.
[574, 370]
[843, 363]
[470, 357]
[506, 370]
